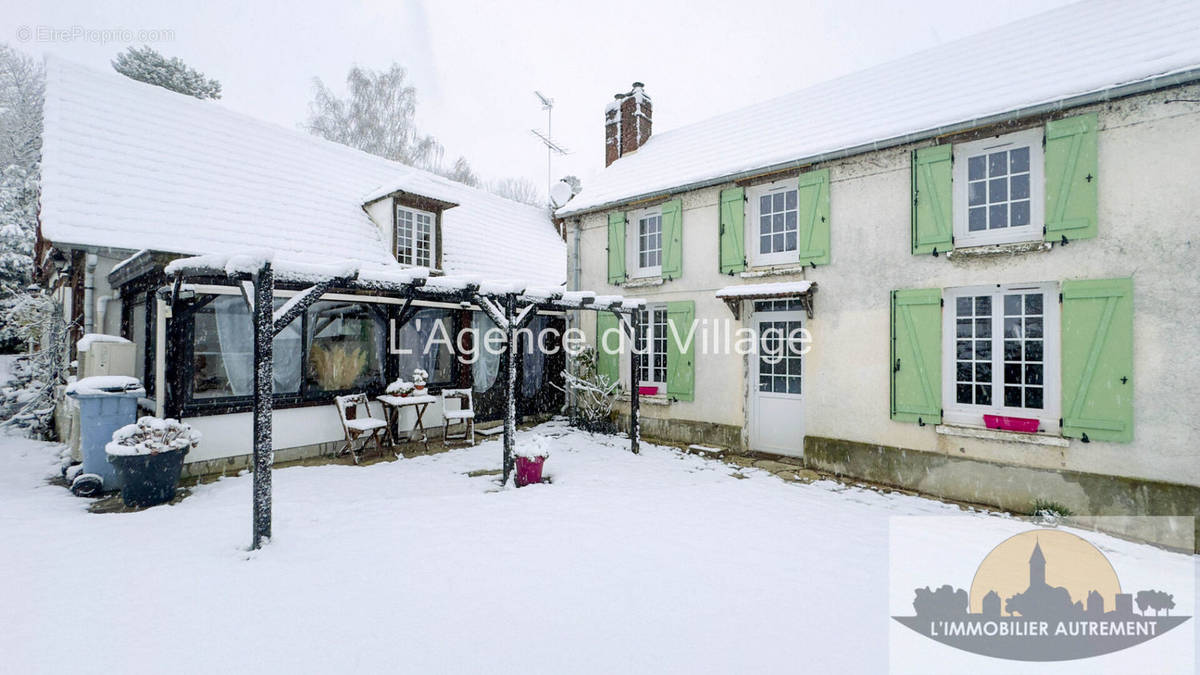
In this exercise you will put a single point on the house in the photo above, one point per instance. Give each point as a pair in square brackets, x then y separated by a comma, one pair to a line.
[135, 176]
[1001, 226]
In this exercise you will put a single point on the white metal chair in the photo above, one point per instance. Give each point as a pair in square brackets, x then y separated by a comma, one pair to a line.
[463, 413]
[358, 426]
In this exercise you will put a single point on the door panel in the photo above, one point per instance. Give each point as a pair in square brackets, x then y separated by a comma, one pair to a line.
[777, 386]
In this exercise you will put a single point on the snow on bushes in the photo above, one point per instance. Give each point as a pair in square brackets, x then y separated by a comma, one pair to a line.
[151, 436]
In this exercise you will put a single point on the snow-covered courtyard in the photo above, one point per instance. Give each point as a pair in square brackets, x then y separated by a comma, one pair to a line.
[662, 562]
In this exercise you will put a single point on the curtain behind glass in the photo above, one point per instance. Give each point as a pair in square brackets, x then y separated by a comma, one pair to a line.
[534, 359]
[487, 366]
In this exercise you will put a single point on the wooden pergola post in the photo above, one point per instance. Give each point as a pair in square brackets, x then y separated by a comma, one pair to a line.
[635, 420]
[510, 383]
[261, 310]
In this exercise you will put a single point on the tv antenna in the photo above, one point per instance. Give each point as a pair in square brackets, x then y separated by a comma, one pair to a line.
[548, 139]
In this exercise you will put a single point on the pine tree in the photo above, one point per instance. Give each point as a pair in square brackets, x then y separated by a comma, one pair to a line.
[149, 66]
[22, 88]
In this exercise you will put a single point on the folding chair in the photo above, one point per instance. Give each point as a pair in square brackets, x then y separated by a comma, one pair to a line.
[359, 426]
[463, 413]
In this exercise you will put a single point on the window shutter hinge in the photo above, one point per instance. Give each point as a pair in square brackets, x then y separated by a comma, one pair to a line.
[1060, 422]
[1064, 240]
[941, 302]
[942, 412]
[1060, 298]
[1043, 230]
[935, 253]
[1085, 439]
[920, 421]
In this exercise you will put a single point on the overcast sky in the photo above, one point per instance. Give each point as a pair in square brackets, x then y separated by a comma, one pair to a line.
[476, 64]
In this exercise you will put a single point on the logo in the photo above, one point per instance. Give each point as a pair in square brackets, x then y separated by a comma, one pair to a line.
[1043, 595]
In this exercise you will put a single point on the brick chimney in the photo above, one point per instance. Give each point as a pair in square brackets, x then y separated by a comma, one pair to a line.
[627, 120]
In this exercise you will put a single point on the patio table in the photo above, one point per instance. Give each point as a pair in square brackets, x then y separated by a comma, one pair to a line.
[392, 405]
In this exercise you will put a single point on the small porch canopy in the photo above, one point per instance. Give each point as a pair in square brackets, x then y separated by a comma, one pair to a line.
[509, 305]
[801, 290]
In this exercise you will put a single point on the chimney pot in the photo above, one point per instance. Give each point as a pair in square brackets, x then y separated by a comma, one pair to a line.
[626, 123]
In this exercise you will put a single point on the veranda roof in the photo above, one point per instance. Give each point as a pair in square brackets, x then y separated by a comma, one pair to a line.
[733, 295]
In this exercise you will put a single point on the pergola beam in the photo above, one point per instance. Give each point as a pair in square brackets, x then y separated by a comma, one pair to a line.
[510, 310]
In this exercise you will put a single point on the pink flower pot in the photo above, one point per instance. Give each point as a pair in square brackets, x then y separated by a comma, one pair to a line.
[1023, 424]
[647, 391]
[529, 470]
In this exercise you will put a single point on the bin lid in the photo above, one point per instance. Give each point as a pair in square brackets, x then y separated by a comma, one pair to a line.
[106, 385]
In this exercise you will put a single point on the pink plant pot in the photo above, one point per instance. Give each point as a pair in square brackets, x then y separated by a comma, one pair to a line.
[1023, 424]
[529, 470]
[647, 391]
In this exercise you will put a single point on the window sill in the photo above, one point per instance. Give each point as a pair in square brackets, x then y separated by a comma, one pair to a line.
[643, 399]
[990, 250]
[772, 270]
[642, 282]
[1005, 436]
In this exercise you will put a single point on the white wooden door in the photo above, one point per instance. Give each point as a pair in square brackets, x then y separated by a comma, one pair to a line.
[777, 388]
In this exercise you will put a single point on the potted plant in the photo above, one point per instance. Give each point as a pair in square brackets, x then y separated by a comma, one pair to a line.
[400, 387]
[531, 456]
[419, 379]
[148, 458]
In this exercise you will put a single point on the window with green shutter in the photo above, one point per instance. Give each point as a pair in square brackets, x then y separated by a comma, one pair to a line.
[1071, 164]
[616, 248]
[814, 217]
[681, 348]
[608, 349]
[672, 239]
[916, 356]
[932, 202]
[732, 232]
[1097, 359]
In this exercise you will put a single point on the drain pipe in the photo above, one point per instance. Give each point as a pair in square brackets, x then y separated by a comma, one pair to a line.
[89, 289]
[102, 311]
[162, 311]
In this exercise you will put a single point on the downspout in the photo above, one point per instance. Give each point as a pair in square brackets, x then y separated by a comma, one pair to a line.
[102, 310]
[89, 286]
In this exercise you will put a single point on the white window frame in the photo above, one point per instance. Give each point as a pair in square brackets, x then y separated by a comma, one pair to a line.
[752, 231]
[633, 243]
[1037, 189]
[413, 258]
[972, 415]
[651, 335]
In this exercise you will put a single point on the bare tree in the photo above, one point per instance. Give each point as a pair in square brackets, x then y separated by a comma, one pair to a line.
[376, 116]
[518, 189]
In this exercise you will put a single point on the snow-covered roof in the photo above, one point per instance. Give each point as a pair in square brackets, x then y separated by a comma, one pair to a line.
[1069, 52]
[132, 166]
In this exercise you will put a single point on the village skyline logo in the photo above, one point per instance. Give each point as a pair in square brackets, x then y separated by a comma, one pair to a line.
[1042, 595]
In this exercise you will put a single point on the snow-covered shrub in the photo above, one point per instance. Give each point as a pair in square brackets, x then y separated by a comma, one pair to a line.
[27, 400]
[591, 396]
[151, 436]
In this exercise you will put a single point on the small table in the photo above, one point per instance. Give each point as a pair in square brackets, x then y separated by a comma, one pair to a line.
[391, 410]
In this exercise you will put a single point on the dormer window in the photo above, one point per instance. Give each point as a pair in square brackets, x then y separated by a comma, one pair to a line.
[414, 236]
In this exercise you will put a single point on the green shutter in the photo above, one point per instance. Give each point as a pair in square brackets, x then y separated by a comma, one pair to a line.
[608, 363]
[1071, 178]
[681, 350]
[733, 237]
[616, 248]
[1097, 359]
[932, 210]
[672, 239]
[916, 363]
[814, 217]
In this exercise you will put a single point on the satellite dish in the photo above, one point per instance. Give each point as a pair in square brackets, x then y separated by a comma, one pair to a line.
[560, 193]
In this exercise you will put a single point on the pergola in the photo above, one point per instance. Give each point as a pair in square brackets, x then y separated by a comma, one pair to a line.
[510, 306]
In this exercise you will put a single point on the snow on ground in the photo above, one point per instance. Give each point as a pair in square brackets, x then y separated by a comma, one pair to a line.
[661, 562]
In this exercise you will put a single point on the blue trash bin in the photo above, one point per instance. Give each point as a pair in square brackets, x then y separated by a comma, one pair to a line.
[106, 403]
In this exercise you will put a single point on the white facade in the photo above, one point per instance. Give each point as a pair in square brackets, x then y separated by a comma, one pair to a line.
[1148, 210]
